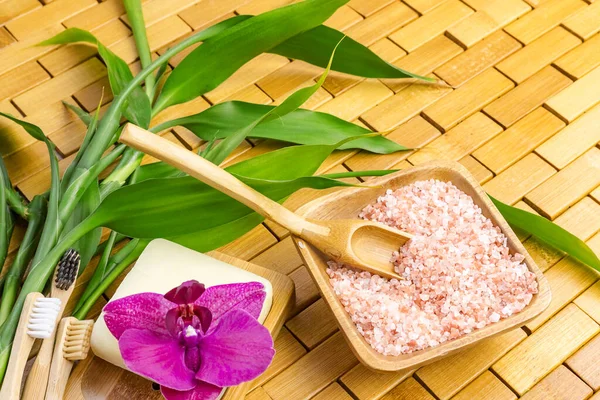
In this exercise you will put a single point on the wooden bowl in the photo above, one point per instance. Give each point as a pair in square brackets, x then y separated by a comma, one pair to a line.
[347, 203]
[94, 378]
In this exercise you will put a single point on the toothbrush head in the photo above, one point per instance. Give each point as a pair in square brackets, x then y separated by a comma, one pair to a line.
[77, 340]
[42, 319]
[67, 270]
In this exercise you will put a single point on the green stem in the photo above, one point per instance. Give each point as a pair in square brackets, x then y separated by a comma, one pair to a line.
[100, 271]
[37, 213]
[136, 19]
[16, 202]
[118, 269]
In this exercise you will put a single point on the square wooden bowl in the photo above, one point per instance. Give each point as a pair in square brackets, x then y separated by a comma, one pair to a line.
[347, 203]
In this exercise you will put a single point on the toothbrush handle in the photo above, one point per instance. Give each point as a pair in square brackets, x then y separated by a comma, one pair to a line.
[21, 347]
[60, 367]
[37, 381]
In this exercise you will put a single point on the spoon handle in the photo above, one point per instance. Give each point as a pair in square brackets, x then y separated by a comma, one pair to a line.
[216, 177]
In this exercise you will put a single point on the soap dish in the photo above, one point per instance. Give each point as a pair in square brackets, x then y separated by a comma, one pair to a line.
[117, 383]
[348, 202]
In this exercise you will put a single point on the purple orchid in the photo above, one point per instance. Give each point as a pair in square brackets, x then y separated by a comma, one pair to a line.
[193, 341]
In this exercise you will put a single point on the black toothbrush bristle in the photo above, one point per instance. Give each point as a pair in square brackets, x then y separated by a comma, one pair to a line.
[67, 269]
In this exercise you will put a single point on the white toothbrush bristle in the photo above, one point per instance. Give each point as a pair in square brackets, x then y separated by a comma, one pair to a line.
[42, 320]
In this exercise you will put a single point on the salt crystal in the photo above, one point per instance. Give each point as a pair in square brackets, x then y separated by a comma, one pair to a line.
[459, 275]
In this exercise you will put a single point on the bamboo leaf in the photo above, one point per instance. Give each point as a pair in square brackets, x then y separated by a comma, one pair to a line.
[315, 46]
[210, 64]
[220, 152]
[137, 109]
[299, 126]
[176, 206]
[549, 232]
[81, 114]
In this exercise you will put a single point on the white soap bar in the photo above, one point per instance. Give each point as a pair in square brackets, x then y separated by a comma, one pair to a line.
[162, 266]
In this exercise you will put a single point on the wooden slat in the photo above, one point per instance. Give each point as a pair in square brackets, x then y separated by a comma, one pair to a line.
[356, 101]
[202, 14]
[582, 59]
[549, 346]
[455, 144]
[560, 384]
[365, 384]
[424, 6]
[313, 325]
[578, 137]
[44, 17]
[333, 392]
[282, 257]
[96, 16]
[486, 386]
[368, 7]
[20, 79]
[527, 96]
[567, 279]
[478, 58]
[382, 23]
[582, 219]
[313, 372]
[61, 86]
[447, 377]
[577, 98]
[425, 59]
[543, 18]
[287, 351]
[539, 53]
[588, 301]
[490, 16]
[306, 290]
[404, 105]
[257, 394]
[410, 389]
[68, 56]
[500, 152]
[250, 244]
[568, 186]
[431, 25]
[511, 185]
[478, 170]
[10, 9]
[415, 133]
[468, 99]
[585, 22]
[584, 363]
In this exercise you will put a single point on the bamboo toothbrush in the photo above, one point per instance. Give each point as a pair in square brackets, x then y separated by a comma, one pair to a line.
[62, 287]
[72, 344]
[37, 321]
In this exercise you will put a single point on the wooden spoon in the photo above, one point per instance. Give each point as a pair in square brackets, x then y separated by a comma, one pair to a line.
[363, 244]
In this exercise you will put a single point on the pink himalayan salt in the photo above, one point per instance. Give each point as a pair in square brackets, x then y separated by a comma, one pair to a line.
[458, 273]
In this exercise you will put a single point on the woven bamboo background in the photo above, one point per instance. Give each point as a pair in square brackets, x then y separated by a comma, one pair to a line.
[523, 117]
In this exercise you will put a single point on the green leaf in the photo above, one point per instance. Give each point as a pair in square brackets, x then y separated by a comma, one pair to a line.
[315, 46]
[176, 206]
[212, 238]
[300, 126]
[32, 129]
[86, 245]
[138, 105]
[220, 152]
[215, 60]
[81, 113]
[138, 27]
[548, 232]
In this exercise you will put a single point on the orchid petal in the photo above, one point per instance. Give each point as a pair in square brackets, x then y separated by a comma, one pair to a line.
[157, 357]
[186, 293]
[138, 311]
[220, 299]
[203, 391]
[238, 350]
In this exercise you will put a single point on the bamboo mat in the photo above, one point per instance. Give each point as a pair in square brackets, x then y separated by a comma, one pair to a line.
[523, 117]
